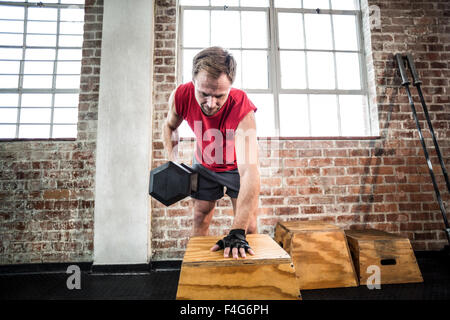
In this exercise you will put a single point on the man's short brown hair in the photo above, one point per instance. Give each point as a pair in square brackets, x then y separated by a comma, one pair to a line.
[215, 61]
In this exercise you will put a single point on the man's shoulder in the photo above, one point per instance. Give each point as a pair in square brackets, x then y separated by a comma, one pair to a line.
[185, 86]
[238, 95]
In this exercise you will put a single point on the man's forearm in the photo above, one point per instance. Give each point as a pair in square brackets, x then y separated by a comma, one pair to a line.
[247, 201]
[170, 140]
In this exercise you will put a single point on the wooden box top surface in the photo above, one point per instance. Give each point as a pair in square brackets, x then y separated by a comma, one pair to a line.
[298, 226]
[267, 251]
[371, 235]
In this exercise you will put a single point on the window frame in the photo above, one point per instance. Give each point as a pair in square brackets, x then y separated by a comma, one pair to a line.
[20, 90]
[274, 68]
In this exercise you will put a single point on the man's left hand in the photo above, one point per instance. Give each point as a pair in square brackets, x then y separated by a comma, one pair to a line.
[235, 242]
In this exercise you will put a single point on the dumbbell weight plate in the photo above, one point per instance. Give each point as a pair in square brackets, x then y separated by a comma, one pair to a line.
[171, 182]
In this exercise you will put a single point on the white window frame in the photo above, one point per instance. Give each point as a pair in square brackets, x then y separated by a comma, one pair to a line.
[20, 90]
[274, 86]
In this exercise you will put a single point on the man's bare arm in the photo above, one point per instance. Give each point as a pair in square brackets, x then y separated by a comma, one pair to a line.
[170, 132]
[246, 147]
[247, 161]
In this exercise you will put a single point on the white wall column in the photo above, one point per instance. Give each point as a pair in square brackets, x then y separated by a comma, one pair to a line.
[122, 206]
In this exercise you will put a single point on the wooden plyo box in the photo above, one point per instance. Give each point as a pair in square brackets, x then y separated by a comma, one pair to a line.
[206, 275]
[392, 253]
[319, 252]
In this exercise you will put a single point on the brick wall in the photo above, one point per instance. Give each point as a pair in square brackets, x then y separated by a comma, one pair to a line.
[47, 187]
[381, 183]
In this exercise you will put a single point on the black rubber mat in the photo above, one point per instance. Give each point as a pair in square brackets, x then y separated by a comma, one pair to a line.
[162, 285]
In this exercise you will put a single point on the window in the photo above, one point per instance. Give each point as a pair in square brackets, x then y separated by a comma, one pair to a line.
[40, 64]
[300, 61]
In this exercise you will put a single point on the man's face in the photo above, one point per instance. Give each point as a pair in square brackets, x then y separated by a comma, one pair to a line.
[211, 94]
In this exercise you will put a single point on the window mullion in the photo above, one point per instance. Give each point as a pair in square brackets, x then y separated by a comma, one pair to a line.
[52, 112]
[306, 73]
[274, 64]
[333, 42]
[21, 71]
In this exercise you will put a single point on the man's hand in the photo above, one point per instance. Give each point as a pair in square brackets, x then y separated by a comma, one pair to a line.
[235, 242]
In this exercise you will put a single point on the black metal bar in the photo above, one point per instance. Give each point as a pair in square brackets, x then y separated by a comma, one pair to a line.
[405, 83]
[417, 83]
[401, 66]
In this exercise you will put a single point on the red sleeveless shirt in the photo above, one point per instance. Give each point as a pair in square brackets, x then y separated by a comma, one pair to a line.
[214, 134]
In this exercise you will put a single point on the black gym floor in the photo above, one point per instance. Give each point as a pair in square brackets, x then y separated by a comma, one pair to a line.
[161, 284]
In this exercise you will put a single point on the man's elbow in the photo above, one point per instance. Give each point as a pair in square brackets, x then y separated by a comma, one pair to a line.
[251, 174]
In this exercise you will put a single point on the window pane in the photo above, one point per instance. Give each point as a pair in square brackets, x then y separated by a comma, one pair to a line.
[11, 12]
[39, 54]
[188, 56]
[314, 4]
[348, 72]
[194, 2]
[11, 26]
[11, 67]
[196, 28]
[318, 31]
[229, 3]
[254, 3]
[41, 41]
[288, 3]
[68, 82]
[237, 56]
[353, 115]
[37, 82]
[35, 115]
[42, 14]
[254, 29]
[9, 99]
[9, 81]
[33, 67]
[36, 100]
[34, 131]
[65, 115]
[69, 54]
[345, 35]
[294, 118]
[343, 4]
[324, 115]
[64, 131]
[72, 14]
[292, 65]
[8, 115]
[66, 100]
[321, 70]
[225, 29]
[11, 39]
[71, 27]
[71, 41]
[69, 67]
[265, 115]
[290, 30]
[7, 131]
[255, 70]
[9, 53]
[41, 27]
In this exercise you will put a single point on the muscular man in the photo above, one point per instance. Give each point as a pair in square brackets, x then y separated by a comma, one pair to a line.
[223, 122]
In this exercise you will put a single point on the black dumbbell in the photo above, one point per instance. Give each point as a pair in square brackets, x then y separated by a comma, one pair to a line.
[172, 182]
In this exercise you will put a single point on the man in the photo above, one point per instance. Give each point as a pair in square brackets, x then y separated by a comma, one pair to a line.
[223, 121]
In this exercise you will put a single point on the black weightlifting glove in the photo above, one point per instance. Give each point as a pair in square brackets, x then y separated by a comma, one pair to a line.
[234, 239]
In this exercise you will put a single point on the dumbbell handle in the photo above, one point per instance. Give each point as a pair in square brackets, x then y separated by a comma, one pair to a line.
[194, 176]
